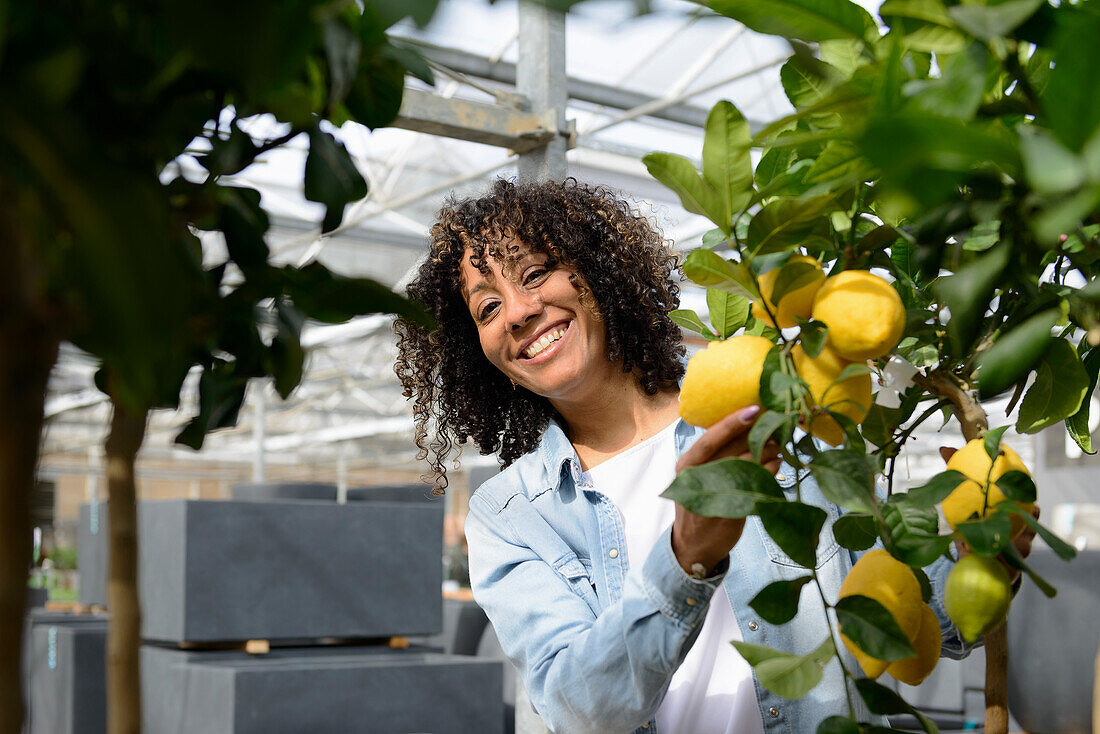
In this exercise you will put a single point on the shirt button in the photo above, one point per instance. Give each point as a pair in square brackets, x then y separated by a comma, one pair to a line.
[614, 553]
[691, 601]
[773, 712]
[753, 626]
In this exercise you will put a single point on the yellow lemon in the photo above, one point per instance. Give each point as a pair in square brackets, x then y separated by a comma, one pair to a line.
[864, 314]
[798, 302]
[969, 498]
[977, 595]
[927, 642]
[723, 378]
[852, 397]
[892, 584]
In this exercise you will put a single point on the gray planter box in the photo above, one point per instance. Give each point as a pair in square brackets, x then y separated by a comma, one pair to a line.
[65, 674]
[212, 571]
[319, 689]
[285, 491]
[91, 554]
[394, 493]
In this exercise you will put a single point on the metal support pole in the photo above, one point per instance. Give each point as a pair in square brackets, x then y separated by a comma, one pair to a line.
[342, 472]
[540, 76]
[259, 433]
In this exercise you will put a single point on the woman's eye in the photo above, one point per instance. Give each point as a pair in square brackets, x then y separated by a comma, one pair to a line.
[486, 311]
[534, 274]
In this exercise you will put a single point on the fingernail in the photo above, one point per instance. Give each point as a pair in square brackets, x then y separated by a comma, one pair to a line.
[750, 412]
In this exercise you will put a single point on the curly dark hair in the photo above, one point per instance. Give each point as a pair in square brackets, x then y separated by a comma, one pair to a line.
[625, 270]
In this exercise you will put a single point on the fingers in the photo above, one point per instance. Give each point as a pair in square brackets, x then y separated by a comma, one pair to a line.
[717, 436]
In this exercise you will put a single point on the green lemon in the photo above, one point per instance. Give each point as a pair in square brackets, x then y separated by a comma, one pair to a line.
[977, 595]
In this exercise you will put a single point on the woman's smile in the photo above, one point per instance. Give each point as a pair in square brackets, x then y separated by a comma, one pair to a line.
[545, 344]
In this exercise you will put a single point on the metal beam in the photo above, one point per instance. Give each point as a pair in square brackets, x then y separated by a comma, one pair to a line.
[540, 77]
[578, 89]
[489, 124]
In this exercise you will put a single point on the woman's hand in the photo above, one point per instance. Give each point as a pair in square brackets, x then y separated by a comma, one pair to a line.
[697, 539]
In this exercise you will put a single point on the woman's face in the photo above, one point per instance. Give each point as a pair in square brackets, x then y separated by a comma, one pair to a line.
[533, 326]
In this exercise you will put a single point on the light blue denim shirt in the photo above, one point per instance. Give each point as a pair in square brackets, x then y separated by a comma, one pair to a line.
[597, 638]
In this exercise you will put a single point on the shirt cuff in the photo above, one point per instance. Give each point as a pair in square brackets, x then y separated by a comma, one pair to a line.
[676, 594]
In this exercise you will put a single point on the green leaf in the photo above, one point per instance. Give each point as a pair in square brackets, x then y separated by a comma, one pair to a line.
[925, 584]
[1014, 354]
[714, 238]
[325, 296]
[726, 488]
[1012, 556]
[286, 358]
[967, 294]
[807, 80]
[958, 92]
[838, 725]
[778, 391]
[696, 194]
[813, 335]
[690, 320]
[244, 223]
[806, 20]
[1059, 388]
[1071, 99]
[885, 702]
[1064, 550]
[987, 536]
[855, 532]
[767, 425]
[991, 442]
[728, 311]
[795, 527]
[924, 25]
[987, 22]
[726, 164]
[872, 628]
[784, 223]
[790, 676]
[773, 163]
[710, 270]
[1016, 485]
[331, 177]
[777, 603]
[1078, 423]
[936, 489]
[221, 394]
[912, 532]
[1049, 166]
[841, 162]
[791, 277]
[846, 479]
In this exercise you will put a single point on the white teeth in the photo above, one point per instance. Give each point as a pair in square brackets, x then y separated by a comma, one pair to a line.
[543, 343]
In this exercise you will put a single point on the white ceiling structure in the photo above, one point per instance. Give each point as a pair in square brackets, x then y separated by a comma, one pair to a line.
[349, 412]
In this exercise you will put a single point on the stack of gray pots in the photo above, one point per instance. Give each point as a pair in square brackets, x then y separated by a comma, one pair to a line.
[328, 585]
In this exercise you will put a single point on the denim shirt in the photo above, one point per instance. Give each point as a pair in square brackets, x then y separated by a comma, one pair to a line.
[596, 637]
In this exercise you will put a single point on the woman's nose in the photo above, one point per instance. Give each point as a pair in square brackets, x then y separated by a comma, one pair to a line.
[522, 307]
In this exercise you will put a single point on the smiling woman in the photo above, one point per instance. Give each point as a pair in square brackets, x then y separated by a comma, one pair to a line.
[555, 351]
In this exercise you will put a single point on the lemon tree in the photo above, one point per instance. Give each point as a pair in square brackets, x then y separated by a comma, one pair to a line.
[928, 219]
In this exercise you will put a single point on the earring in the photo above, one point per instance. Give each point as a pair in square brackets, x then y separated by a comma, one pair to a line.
[513, 383]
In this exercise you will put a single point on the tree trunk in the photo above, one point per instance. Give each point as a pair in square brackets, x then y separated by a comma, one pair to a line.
[28, 350]
[974, 423]
[124, 633]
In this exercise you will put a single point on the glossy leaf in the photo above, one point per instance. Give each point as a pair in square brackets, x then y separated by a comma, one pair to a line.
[912, 532]
[331, 177]
[812, 336]
[726, 488]
[1064, 550]
[766, 426]
[795, 527]
[286, 355]
[806, 20]
[710, 270]
[986, 536]
[991, 442]
[777, 603]
[696, 194]
[690, 320]
[936, 489]
[728, 311]
[791, 277]
[1013, 355]
[807, 80]
[1078, 423]
[790, 676]
[856, 532]
[1016, 485]
[872, 628]
[987, 22]
[883, 701]
[838, 725]
[1071, 99]
[783, 224]
[726, 165]
[924, 25]
[967, 294]
[846, 479]
[1058, 391]
[323, 295]
[1012, 556]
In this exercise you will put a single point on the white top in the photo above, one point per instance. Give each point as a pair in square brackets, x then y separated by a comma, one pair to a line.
[712, 692]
